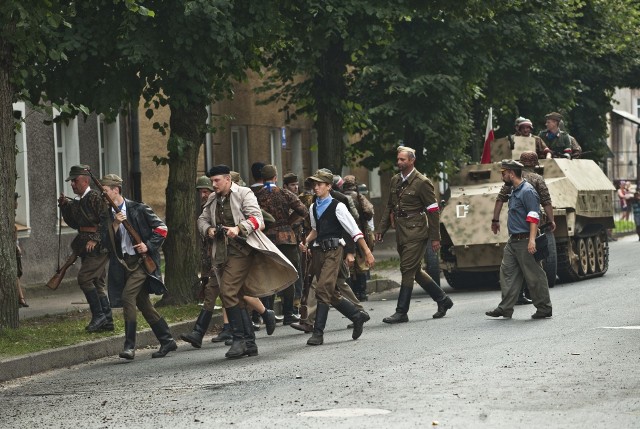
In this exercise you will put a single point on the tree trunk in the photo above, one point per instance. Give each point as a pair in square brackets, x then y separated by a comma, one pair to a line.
[181, 251]
[8, 268]
[329, 92]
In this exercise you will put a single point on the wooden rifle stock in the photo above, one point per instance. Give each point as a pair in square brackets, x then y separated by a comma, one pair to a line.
[59, 275]
[149, 265]
[306, 287]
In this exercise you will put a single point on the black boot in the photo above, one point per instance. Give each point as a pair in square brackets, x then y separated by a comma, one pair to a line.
[251, 349]
[224, 335]
[98, 319]
[269, 318]
[238, 347]
[522, 298]
[129, 351]
[443, 306]
[322, 312]
[163, 334]
[358, 317]
[404, 299]
[200, 328]
[106, 309]
[361, 280]
[287, 306]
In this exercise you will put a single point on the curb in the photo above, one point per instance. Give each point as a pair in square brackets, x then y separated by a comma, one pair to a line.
[46, 360]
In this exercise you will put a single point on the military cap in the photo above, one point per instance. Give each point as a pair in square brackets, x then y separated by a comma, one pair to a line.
[217, 170]
[510, 164]
[235, 178]
[554, 115]
[525, 121]
[322, 177]
[256, 170]
[407, 149]
[289, 178]
[529, 158]
[363, 189]
[78, 170]
[204, 182]
[269, 172]
[111, 180]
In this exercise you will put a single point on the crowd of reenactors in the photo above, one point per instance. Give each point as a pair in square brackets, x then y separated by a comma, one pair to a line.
[311, 246]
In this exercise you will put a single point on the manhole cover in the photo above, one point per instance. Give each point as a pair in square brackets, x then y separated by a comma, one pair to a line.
[345, 412]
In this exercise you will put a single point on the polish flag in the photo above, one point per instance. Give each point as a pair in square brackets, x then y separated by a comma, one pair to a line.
[488, 138]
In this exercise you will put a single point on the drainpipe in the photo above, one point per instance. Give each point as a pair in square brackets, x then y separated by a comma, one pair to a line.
[136, 174]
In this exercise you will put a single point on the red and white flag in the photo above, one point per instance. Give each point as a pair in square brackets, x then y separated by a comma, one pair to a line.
[488, 138]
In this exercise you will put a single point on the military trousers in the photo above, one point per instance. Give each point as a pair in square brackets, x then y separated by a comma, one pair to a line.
[211, 293]
[232, 275]
[93, 273]
[343, 288]
[135, 293]
[517, 268]
[411, 257]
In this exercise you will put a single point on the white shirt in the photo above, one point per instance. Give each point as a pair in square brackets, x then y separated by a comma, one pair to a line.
[346, 220]
[405, 178]
[125, 239]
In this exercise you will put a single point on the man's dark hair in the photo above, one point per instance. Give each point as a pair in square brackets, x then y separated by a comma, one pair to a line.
[256, 170]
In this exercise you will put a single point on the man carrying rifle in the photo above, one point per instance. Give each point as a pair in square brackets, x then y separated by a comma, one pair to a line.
[135, 235]
[83, 214]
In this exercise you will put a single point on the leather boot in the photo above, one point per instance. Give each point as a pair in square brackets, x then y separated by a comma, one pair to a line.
[287, 306]
[404, 299]
[522, 298]
[98, 319]
[224, 335]
[269, 319]
[200, 328]
[443, 306]
[238, 347]
[129, 351]
[351, 312]
[106, 309]
[163, 334]
[322, 312]
[361, 280]
[251, 349]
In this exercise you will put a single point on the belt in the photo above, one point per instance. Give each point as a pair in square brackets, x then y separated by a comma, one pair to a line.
[88, 229]
[128, 256]
[521, 236]
[402, 213]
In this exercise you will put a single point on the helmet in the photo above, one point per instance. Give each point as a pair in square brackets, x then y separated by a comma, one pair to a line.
[204, 183]
[519, 119]
[525, 121]
[529, 158]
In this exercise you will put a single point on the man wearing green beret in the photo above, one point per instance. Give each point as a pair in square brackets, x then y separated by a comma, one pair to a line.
[556, 139]
[83, 214]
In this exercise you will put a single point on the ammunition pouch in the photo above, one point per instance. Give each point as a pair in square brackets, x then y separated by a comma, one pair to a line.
[329, 244]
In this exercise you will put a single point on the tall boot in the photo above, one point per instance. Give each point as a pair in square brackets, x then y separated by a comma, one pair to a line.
[199, 329]
[98, 319]
[358, 317]
[106, 309]
[322, 312]
[269, 318]
[129, 351]
[287, 306]
[361, 281]
[224, 335]
[251, 349]
[404, 299]
[436, 293]
[163, 334]
[238, 347]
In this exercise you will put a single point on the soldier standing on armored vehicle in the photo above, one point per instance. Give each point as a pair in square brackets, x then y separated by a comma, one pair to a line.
[529, 159]
[518, 263]
[556, 139]
[523, 128]
[413, 206]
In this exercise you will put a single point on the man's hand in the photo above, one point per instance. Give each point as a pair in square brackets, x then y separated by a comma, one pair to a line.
[211, 232]
[62, 200]
[435, 245]
[119, 218]
[232, 231]
[371, 261]
[351, 258]
[91, 244]
[379, 236]
[552, 226]
[495, 227]
[141, 248]
[531, 247]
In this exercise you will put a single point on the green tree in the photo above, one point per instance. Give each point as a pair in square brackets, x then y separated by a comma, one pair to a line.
[180, 54]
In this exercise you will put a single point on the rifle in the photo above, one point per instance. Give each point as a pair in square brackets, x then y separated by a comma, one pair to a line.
[59, 275]
[147, 262]
[306, 287]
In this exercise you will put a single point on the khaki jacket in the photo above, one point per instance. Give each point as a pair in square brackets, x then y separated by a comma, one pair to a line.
[272, 271]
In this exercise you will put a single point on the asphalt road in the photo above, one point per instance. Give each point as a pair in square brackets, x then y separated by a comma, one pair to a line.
[578, 369]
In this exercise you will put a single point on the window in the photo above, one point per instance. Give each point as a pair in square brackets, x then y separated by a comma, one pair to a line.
[67, 146]
[239, 152]
[277, 140]
[22, 180]
[374, 183]
[296, 153]
[109, 140]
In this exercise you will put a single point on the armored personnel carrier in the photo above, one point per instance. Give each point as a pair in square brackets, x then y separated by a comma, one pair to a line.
[582, 198]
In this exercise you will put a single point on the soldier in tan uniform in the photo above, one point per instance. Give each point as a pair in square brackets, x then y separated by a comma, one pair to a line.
[413, 208]
[530, 160]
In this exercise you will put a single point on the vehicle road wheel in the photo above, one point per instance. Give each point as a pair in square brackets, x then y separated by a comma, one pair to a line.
[583, 258]
[591, 255]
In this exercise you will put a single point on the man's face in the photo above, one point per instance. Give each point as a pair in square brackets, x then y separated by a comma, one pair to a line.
[507, 177]
[525, 130]
[551, 124]
[112, 193]
[321, 189]
[204, 194]
[79, 184]
[293, 187]
[405, 162]
[221, 184]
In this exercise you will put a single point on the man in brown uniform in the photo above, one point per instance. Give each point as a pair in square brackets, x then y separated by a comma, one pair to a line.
[83, 213]
[413, 207]
[524, 127]
[530, 160]
[279, 203]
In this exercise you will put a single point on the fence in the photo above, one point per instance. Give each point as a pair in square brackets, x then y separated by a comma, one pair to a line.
[623, 219]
